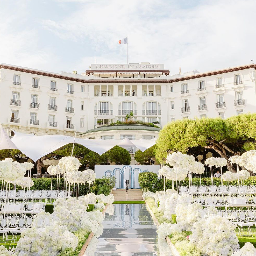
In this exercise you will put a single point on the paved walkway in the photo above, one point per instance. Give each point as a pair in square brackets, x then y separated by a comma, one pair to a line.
[130, 195]
[129, 232]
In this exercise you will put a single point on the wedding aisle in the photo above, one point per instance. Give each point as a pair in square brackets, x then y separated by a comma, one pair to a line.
[129, 231]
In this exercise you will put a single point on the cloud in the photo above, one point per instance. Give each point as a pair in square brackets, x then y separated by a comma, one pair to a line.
[203, 35]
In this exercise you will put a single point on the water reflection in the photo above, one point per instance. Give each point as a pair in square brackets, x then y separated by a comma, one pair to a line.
[130, 231]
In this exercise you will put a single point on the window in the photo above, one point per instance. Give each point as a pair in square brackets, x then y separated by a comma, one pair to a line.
[184, 88]
[82, 88]
[15, 116]
[172, 104]
[53, 86]
[82, 105]
[35, 82]
[104, 108]
[34, 98]
[239, 95]
[81, 122]
[171, 88]
[239, 99]
[239, 111]
[16, 79]
[69, 125]
[201, 86]
[69, 103]
[172, 119]
[70, 88]
[203, 116]
[15, 96]
[221, 115]
[219, 82]
[220, 98]
[202, 103]
[130, 137]
[107, 137]
[148, 137]
[237, 79]
[51, 119]
[52, 101]
[33, 119]
[185, 106]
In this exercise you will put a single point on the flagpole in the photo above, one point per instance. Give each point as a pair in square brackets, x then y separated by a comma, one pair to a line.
[127, 51]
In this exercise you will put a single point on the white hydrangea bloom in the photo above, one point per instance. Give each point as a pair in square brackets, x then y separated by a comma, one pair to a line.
[247, 250]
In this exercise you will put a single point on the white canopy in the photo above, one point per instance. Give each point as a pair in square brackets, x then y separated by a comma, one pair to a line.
[36, 147]
[5, 142]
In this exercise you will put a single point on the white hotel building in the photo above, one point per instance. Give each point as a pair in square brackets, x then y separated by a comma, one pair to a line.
[39, 102]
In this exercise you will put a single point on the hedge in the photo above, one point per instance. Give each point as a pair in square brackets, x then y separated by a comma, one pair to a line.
[150, 181]
[100, 186]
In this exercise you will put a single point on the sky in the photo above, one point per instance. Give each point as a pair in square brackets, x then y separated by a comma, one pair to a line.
[68, 35]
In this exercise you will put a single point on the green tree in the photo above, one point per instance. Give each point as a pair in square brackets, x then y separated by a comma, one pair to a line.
[146, 156]
[117, 155]
[227, 137]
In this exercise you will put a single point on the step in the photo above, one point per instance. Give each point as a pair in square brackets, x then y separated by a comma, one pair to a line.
[130, 195]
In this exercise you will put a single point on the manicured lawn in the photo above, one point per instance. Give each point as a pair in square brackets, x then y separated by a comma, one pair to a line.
[10, 242]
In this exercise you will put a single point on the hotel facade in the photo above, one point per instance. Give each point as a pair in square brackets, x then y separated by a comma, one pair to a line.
[39, 102]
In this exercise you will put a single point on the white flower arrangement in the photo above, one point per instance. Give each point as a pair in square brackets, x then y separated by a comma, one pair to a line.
[177, 159]
[69, 163]
[216, 161]
[198, 168]
[247, 250]
[214, 236]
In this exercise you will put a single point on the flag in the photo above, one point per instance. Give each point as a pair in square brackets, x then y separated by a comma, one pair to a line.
[124, 41]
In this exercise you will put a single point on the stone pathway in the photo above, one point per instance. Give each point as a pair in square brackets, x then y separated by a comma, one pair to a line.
[129, 232]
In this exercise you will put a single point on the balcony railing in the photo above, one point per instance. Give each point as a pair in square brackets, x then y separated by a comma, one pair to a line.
[15, 102]
[239, 102]
[202, 107]
[103, 112]
[70, 126]
[220, 104]
[127, 112]
[184, 91]
[70, 91]
[34, 105]
[238, 82]
[185, 109]
[53, 124]
[14, 120]
[52, 107]
[201, 89]
[16, 83]
[54, 89]
[35, 86]
[219, 85]
[151, 112]
[34, 122]
[69, 109]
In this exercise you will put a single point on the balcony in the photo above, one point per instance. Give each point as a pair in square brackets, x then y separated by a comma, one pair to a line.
[15, 102]
[52, 107]
[217, 86]
[34, 105]
[220, 104]
[53, 124]
[239, 102]
[54, 89]
[202, 107]
[16, 83]
[238, 82]
[184, 91]
[151, 112]
[185, 109]
[70, 126]
[14, 120]
[127, 112]
[34, 122]
[69, 110]
[200, 89]
[35, 86]
[103, 112]
[70, 91]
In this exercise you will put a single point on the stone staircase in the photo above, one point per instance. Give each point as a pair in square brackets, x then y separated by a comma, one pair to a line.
[131, 195]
